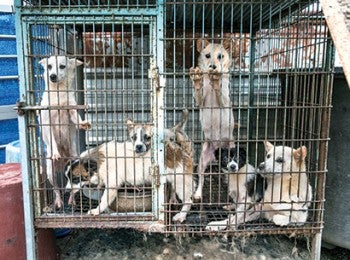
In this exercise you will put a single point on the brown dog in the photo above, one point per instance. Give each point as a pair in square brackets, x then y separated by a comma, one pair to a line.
[211, 91]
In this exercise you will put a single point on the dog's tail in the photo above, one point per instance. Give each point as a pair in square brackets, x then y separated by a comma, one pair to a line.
[181, 125]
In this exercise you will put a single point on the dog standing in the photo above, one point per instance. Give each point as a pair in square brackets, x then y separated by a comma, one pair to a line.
[120, 163]
[288, 194]
[59, 126]
[211, 92]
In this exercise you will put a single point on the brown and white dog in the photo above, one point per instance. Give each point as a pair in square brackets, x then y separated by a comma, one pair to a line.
[211, 92]
[115, 164]
[59, 126]
[288, 194]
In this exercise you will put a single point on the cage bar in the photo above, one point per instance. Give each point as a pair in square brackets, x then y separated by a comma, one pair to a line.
[137, 59]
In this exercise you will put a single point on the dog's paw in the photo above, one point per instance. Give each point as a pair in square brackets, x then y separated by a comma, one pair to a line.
[180, 217]
[94, 212]
[216, 225]
[85, 125]
[280, 220]
[214, 76]
[71, 200]
[229, 207]
[58, 203]
[56, 156]
[196, 77]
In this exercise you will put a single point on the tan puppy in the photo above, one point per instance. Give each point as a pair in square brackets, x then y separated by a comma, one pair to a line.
[59, 126]
[211, 91]
[288, 194]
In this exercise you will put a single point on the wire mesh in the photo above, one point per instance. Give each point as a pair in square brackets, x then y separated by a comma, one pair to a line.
[280, 70]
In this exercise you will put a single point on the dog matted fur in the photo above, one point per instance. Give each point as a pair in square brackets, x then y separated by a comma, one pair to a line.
[288, 194]
[126, 163]
[59, 126]
[211, 92]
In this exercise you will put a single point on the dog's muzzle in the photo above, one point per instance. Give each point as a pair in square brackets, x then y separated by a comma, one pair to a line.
[261, 167]
[53, 78]
[139, 148]
[233, 167]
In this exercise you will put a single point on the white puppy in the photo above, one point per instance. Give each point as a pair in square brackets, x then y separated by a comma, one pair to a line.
[59, 125]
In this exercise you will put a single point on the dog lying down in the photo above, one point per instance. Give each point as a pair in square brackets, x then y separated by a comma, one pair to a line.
[288, 193]
[116, 164]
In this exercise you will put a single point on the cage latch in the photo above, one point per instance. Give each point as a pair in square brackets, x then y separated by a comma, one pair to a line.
[19, 106]
[156, 176]
[153, 74]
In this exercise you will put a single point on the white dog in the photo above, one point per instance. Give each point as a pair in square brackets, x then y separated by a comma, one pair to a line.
[59, 126]
[115, 164]
[211, 91]
[288, 194]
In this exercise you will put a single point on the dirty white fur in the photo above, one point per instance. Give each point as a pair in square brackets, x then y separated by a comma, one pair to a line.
[211, 92]
[288, 194]
[59, 127]
[121, 164]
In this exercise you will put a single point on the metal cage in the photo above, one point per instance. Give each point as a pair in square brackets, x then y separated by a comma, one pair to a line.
[137, 57]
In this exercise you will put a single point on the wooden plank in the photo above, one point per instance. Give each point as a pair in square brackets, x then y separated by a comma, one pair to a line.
[337, 24]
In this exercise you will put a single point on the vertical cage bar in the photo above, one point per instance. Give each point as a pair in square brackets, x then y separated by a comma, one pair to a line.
[158, 86]
[24, 142]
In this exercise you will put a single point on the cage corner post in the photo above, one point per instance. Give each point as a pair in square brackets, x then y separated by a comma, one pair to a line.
[158, 85]
[22, 125]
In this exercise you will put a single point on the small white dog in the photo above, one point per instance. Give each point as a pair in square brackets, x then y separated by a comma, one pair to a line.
[115, 164]
[59, 126]
[211, 82]
[288, 194]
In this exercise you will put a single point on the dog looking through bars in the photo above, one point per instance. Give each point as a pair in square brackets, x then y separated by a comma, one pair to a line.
[211, 92]
[59, 126]
[115, 164]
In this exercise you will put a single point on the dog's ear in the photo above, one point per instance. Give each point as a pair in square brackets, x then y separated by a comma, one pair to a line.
[130, 124]
[242, 152]
[226, 44]
[179, 127]
[268, 146]
[300, 153]
[75, 62]
[201, 44]
[43, 62]
[90, 166]
[217, 153]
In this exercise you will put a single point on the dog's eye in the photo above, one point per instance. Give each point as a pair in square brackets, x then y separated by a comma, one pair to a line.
[49, 67]
[279, 160]
[133, 137]
[147, 137]
[207, 56]
[220, 56]
[268, 156]
[62, 67]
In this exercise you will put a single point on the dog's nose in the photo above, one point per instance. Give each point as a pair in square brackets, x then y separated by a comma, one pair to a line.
[261, 166]
[139, 148]
[212, 66]
[53, 77]
[232, 167]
